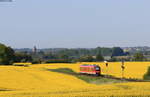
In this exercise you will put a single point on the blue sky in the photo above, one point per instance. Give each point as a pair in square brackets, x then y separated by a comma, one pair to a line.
[75, 23]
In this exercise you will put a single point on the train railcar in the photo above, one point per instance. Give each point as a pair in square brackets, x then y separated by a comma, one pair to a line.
[90, 69]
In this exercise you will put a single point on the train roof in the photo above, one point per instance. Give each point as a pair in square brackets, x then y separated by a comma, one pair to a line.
[89, 65]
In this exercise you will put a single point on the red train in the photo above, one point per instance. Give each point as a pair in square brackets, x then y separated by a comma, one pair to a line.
[90, 69]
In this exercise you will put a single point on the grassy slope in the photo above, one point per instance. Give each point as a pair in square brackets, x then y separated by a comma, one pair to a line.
[86, 78]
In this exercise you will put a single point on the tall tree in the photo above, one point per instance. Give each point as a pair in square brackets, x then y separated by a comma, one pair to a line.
[22, 57]
[6, 55]
[99, 56]
[64, 56]
[139, 57]
[86, 58]
[117, 51]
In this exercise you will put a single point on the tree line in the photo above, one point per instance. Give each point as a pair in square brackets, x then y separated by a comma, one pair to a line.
[10, 56]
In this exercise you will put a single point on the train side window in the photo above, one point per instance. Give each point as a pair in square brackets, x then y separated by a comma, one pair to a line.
[81, 68]
[86, 68]
[92, 69]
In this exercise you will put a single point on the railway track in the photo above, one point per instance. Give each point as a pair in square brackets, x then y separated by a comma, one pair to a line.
[123, 79]
[116, 78]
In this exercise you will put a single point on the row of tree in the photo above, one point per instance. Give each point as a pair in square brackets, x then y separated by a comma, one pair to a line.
[9, 56]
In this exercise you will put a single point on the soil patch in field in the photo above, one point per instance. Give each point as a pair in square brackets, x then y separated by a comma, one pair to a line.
[4, 89]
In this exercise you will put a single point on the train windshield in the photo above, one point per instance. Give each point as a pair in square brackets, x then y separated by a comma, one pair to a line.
[97, 68]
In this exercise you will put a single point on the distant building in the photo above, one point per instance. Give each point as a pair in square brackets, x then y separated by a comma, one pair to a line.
[107, 57]
[34, 50]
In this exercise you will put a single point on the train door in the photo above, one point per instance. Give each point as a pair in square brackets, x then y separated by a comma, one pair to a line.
[98, 70]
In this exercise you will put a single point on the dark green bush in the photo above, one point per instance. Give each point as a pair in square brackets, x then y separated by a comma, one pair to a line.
[147, 74]
[58, 61]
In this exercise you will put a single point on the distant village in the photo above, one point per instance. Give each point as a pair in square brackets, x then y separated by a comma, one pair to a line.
[141, 53]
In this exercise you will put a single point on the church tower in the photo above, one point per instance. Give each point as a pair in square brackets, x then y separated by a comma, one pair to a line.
[34, 50]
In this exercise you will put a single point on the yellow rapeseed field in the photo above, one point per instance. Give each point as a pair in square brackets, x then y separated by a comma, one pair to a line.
[132, 69]
[38, 81]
